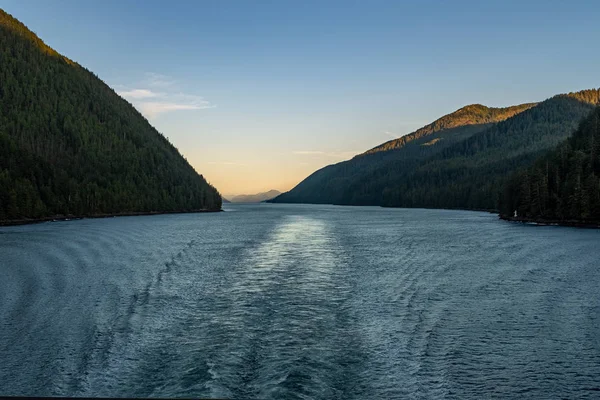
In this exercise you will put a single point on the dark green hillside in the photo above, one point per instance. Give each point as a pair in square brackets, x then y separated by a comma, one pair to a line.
[563, 185]
[471, 173]
[457, 167]
[70, 146]
[342, 183]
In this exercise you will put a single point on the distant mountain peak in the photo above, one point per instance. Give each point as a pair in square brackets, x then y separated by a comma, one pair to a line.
[473, 107]
[255, 198]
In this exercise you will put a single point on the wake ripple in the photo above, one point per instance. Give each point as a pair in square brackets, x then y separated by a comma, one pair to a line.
[300, 302]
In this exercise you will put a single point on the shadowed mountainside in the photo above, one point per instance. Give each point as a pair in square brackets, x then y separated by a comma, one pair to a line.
[459, 161]
[561, 186]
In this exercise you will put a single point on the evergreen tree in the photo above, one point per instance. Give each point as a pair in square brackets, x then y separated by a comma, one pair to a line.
[569, 176]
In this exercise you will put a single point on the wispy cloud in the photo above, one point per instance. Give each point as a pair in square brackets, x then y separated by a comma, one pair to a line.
[308, 152]
[152, 109]
[329, 154]
[156, 95]
[138, 94]
[230, 163]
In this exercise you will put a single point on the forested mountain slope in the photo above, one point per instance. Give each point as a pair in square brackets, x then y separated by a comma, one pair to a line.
[470, 174]
[564, 184]
[474, 114]
[69, 145]
[464, 169]
[336, 183]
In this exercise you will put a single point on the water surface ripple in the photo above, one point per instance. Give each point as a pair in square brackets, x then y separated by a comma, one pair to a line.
[300, 302]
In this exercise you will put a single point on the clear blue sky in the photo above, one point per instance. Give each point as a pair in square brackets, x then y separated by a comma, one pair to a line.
[259, 94]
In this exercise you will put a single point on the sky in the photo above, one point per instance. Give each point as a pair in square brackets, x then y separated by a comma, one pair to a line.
[257, 95]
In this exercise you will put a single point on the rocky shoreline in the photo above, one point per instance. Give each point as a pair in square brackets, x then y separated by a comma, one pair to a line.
[77, 217]
[544, 222]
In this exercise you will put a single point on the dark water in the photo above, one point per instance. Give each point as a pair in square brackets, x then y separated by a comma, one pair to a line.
[283, 301]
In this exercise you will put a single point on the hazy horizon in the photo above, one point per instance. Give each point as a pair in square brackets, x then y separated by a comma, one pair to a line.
[257, 96]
